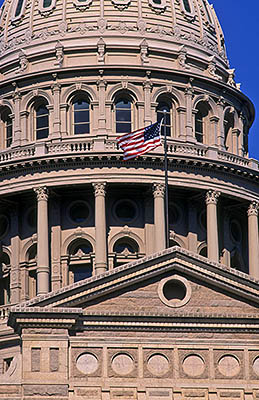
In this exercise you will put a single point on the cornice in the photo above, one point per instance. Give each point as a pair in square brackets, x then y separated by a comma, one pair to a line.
[183, 322]
[175, 258]
[112, 159]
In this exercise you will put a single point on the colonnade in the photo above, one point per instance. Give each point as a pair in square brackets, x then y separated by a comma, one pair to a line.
[43, 267]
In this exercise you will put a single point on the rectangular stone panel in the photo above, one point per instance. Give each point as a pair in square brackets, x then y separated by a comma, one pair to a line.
[123, 394]
[35, 359]
[89, 393]
[45, 390]
[54, 359]
[9, 389]
[159, 394]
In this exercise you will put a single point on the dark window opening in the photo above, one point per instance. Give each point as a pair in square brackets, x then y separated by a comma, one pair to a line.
[123, 111]
[81, 110]
[42, 121]
[164, 112]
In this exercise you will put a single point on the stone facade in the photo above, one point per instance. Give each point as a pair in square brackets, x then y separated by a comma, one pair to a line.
[92, 304]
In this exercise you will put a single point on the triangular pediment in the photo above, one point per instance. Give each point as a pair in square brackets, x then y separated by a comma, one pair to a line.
[217, 281]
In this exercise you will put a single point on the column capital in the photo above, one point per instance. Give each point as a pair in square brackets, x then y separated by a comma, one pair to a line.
[159, 189]
[253, 208]
[42, 193]
[212, 197]
[99, 188]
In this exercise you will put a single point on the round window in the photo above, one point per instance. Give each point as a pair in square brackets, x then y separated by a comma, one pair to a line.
[125, 210]
[32, 217]
[174, 291]
[79, 211]
[4, 225]
[235, 231]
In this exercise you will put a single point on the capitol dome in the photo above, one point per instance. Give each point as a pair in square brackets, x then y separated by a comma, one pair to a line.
[129, 31]
[103, 294]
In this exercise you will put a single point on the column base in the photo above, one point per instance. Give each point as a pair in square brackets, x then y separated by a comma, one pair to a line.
[100, 268]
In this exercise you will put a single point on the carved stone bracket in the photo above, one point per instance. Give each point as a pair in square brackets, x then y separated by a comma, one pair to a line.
[82, 5]
[42, 193]
[59, 54]
[144, 52]
[121, 4]
[231, 77]
[212, 197]
[158, 8]
[182, 58]
[253, 209]
[158, 189]
[23, 63]
[99, 189]
[101, 50]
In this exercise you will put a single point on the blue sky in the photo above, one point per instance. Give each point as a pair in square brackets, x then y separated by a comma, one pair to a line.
[240, 23]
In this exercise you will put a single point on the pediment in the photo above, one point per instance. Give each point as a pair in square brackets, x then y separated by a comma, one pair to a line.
[148, 286]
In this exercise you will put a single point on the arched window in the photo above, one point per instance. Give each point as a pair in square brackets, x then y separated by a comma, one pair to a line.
[7, 131]
[208, 15]
[204, 251]
[19, 6]
[123, 115]
[126, 249]
[202, 122]
[164, 110]
[81, 116]
[228, 126]
[4, 279]
[41, 119]
[187, 6]
[173, 243]
[80, 260]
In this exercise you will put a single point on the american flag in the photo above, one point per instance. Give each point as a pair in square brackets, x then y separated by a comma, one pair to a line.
[141, 141]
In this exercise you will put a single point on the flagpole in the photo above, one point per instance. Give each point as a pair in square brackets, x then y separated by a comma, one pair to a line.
[166, 186]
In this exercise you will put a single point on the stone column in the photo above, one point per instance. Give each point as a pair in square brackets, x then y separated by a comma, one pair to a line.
[16, 120]
[235, 135]
[253, 240]
[101, 86]
[159, 216]
[147, 93]
[15, 280]
[181, 117]
[56, 111]
[221, 130]
[24, 131]
[189, 123]
[100, 228]
[214, 120]
[212, 225]
[43, 241]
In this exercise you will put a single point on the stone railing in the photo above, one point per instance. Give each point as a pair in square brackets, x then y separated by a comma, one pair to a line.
[16, 154]
[4, 311]
[104, 145]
